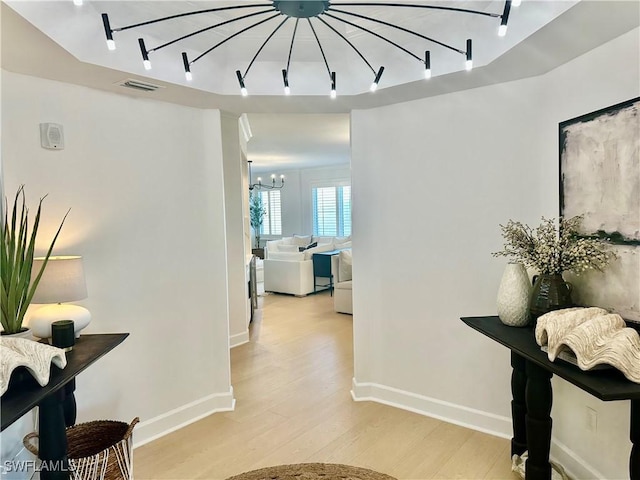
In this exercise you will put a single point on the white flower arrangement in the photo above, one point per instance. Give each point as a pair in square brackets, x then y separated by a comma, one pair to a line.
[554, 247]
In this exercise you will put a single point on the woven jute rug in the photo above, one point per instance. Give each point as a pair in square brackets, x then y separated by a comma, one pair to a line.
[312, 471]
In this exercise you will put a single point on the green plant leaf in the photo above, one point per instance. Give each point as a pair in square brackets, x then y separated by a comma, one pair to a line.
[17, 250]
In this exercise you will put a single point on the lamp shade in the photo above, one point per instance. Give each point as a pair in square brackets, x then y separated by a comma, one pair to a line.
[62, 280]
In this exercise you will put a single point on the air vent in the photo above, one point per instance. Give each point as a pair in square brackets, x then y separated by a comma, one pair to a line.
[138, 85]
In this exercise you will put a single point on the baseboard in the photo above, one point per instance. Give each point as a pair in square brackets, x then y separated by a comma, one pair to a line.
[239, 339]
[177, 418]
[486, 422]
[575, 466]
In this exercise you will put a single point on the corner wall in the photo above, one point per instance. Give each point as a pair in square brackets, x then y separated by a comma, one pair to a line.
[234, 216]
[144, 182]
[424, 228]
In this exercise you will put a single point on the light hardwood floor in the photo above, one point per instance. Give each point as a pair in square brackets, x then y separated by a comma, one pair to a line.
[293, 404]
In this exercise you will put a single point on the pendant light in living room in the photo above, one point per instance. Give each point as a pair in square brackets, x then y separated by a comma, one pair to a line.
[261, 186]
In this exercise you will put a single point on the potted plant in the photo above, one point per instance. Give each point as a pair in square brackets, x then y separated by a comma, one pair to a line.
[257, 211]
[553, 248]
[17, 248]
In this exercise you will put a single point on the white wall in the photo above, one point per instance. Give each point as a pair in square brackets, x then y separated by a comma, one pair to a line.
[297, 208]
[234, 217]
[144, 182]
[424, 228]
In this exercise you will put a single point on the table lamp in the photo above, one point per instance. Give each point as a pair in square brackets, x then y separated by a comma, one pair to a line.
[62, 281]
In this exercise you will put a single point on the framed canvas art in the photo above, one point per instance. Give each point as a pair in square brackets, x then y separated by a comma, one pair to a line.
[600, 180]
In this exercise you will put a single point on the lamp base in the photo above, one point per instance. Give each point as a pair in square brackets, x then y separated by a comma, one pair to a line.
[41, 320]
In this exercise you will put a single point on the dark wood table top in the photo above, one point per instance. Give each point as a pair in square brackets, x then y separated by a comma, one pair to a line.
[607, 384]
[22, 396]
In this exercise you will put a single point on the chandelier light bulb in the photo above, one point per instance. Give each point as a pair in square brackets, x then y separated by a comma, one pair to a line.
[427, 64]
[516, 3]
[374, 85]
[502, 30]
[187, 67]
[260, 180]
[468, 65]
[287, 90]
[244, 92]
[147, 64]
[333, 93]
[77, 3]
[111, 45]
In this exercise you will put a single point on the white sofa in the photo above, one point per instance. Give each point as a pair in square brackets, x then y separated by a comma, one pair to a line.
[342, 292]
[289, 270]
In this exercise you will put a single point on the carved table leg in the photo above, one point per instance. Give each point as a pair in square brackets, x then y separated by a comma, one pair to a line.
[634, 460]
[518, 404]
[53, 438]
[69, 403]
[539, 400]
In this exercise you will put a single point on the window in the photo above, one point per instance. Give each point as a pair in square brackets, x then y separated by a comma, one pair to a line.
[332, 211]
[272, 222]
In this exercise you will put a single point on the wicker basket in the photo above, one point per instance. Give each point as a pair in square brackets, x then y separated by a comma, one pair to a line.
[98, 450]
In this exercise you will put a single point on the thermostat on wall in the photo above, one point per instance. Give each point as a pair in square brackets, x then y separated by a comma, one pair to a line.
[51, 136]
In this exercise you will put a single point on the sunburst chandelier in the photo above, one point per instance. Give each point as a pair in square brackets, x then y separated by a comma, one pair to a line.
[311, 12]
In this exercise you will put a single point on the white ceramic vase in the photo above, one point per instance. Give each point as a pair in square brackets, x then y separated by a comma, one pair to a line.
[513, 296]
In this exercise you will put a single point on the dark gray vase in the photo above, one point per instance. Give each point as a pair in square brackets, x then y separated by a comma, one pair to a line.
[550, 292]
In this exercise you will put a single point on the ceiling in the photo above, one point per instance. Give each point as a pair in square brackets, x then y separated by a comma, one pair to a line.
[289, 141]
[40, 45]
[79, 30]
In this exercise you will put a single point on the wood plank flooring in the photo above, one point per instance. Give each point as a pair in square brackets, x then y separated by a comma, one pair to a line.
[293, 404]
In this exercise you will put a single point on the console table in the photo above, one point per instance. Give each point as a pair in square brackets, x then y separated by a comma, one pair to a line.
[532, 396]
[56, 400]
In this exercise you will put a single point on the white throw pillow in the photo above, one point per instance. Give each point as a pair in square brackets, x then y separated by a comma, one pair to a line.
[286, 241]
[301, 240]
[287, 256]
[340, 240]
[273, 246]
[345, 266]
[321, 240]
[343, 245]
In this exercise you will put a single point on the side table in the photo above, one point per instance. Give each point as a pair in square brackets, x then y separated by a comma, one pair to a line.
[56, 401]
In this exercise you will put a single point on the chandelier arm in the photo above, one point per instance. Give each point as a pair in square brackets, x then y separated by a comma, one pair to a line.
[295, 29]
[197, 12]
[208, 28]
[321, 49]
[234, 35]
[376, 35]
[409, 5]
[350, 44]
[263, 45]
[382, 22]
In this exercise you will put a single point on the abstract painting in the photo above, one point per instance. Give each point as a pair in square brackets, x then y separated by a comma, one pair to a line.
[600, 171]
[600, 179]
